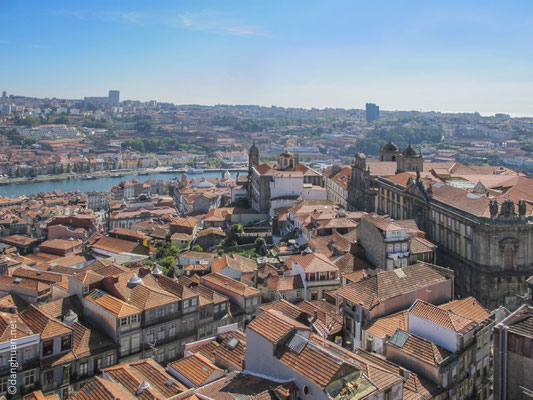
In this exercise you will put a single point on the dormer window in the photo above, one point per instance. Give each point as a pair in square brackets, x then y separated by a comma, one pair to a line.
[124, 321]
[66, 342]
[48, 347]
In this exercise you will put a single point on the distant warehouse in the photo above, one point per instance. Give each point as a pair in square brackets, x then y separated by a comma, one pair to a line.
[49, 132]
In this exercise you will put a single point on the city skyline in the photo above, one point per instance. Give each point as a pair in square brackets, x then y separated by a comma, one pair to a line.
[440, 57]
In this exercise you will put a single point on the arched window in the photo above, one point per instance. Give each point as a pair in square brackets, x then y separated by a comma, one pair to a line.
[508, 259]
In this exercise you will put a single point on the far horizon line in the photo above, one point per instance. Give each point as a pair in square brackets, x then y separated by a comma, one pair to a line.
[483, 114]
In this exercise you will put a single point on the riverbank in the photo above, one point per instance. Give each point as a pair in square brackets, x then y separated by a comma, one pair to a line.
[101, 182]
[107, 174]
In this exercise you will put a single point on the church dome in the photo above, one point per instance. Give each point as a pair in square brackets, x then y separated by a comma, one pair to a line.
[226, 175]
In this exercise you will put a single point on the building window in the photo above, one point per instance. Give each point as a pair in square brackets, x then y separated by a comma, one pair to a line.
[125, 345]
[185, 303]
[150, 336]
[123, 321]
[29, 378]
[49, 377]
[135, 343]
[29, 354]
[390, 248]
[468, 231]
[194, 301]
[468, 250]
[404, 247]
[457, 244]
[441, 218]
[134, 318]
[404, 262]
[389, 264]
[65, 343]
[3, 385]
[171, 353]
[48, 347]
[161, 333]
[172, 330]
[84, 368]
[110, 359]
[97, 364]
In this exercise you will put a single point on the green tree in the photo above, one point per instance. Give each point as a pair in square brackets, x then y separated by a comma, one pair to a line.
[197, 248]
[168, 262]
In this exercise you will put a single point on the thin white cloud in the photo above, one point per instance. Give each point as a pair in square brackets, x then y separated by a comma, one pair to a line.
[216, 22]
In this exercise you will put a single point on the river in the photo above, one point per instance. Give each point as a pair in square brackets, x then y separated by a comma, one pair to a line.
[100, 184]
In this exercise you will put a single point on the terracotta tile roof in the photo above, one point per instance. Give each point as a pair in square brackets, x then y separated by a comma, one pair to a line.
[211, 231]
[58, 308]
[445, 318]
[145, 297]
[13, 302]
[6, 331]
[61, 244]
[382, 223]
[133, 374]
[321, 245]
[100, 389]
[381, 373]
[469, 308]
[19, 240]
[286, 308]
[418, 388]
[274, 325]
[328, 319]
[217, 349]
[345, 263]
[40, 322]
[385, 285]
[38, 395]
[189, 222]
[386, 326]
[230, 284]
[196, 368]
[312, 262]
[114, 245]
[233, 261]
[315, 365]
[419, 348]
[37, 275]
[284, 283]
[247, 387]
[105, 268]
[197, 254]
[180, 236]
[117, 307]
[418, 245]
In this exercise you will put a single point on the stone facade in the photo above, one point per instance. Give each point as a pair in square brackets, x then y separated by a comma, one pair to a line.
[488, 243]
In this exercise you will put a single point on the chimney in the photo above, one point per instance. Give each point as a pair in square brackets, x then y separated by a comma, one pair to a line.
[256, 275]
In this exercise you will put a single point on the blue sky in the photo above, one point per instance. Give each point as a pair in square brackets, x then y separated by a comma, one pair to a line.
[403, 55]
